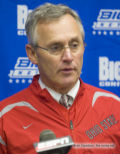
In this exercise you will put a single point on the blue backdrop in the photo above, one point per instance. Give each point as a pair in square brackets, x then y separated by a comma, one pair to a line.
[101, 20]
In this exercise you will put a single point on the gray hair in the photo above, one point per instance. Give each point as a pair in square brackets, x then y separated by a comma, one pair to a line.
[47, 13]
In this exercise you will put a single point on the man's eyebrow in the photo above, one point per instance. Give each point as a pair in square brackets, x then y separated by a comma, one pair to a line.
[55, 42]
[75, 39]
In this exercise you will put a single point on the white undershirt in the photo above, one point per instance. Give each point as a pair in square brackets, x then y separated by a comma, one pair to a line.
[56, 95]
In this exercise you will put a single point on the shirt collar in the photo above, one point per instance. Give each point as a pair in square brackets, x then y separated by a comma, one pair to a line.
[56, 95]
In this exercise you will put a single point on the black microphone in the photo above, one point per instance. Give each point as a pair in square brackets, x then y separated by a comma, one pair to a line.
[49, 144]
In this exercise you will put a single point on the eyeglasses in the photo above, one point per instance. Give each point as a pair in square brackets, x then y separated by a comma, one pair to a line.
[57, 48]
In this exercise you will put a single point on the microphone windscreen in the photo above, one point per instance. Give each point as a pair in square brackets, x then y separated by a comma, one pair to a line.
[52, 145]
[46, 135]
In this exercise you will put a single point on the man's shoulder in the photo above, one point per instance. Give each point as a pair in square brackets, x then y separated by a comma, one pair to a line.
[94, 89]
[100, 101]
[23, 94]
[96, 93]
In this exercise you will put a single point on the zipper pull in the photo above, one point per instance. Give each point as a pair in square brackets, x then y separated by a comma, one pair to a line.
[71, 124]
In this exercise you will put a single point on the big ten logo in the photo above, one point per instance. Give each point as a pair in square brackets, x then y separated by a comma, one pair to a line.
[109, 15]
[22, 13]
[109, 72]
[108, 22]
[24, 63]
[23, 70]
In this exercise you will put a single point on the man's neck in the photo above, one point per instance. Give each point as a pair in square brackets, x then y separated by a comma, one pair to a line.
[72, 92]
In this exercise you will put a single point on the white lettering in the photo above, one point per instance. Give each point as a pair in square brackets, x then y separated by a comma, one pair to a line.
[106, 25]
[109, 83]
[109, 15]
[108, 70]
[103, 68]
[52, 143]
[23, 73]
[117, 70]
[22, 12]
[111, 70]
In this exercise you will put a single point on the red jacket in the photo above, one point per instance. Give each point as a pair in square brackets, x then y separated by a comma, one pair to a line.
[93, 121]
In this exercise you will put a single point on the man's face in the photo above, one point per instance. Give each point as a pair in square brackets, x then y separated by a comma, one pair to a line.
[59, 72]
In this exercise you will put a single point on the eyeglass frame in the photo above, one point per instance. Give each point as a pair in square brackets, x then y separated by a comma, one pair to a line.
[47, 49]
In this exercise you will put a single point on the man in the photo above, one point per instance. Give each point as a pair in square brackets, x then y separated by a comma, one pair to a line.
[58, 99]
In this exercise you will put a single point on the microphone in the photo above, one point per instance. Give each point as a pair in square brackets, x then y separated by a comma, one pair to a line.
[49, 144]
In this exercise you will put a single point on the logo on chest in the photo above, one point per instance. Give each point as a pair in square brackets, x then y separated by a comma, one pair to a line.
[101, 127]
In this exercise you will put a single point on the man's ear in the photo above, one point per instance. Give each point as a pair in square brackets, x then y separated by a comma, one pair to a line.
[31, 54]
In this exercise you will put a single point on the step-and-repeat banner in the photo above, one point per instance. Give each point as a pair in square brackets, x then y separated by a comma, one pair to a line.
[101, 20]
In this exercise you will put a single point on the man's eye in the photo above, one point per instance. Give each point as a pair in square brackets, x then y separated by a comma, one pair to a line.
[74, 45]
[55, 48]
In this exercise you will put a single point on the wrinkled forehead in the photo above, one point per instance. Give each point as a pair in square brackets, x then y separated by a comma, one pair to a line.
[63, 26]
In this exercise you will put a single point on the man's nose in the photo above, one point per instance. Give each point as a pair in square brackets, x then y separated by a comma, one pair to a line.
[67, 55]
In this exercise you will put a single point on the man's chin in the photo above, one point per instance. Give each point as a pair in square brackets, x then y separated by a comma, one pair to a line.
[68, 83]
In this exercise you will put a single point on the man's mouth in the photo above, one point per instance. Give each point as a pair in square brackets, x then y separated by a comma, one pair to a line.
[67, 70]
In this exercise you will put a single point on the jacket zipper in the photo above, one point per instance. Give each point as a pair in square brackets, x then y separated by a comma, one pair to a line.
[71, 124]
